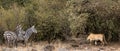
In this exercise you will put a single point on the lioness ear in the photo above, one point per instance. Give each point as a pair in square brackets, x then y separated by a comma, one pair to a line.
[90, 33]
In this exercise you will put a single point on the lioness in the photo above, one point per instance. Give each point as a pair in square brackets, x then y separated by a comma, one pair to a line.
[96, 37]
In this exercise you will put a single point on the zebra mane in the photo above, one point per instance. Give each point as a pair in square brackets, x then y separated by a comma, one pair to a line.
[28, 33]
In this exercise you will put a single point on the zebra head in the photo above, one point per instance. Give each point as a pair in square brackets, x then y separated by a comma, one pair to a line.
[33, 29]
[19, 27]
[19, 30]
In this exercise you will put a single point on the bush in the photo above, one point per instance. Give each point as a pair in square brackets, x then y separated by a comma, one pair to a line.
[62, 19]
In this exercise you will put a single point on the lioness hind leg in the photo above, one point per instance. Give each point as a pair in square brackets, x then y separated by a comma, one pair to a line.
[103, 43]
[96, 43]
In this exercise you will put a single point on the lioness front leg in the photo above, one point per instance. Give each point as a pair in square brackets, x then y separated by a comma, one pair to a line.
[90, 43]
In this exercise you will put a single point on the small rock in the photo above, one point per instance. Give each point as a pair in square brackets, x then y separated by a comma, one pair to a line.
[112, 48]
[4, 49]
[49, 48]
[86, 48]
[101, 49]
[74, 45]
[33, 50]
[62, 49]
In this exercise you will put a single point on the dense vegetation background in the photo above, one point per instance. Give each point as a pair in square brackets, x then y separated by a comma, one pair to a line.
[62, 19]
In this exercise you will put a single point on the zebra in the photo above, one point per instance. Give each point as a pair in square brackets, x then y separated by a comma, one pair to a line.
[20, 33]
[28, 33]
[25, 35]
[13, 37]
[10, 38]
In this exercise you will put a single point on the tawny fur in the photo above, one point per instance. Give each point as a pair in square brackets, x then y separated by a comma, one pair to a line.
[96, 37]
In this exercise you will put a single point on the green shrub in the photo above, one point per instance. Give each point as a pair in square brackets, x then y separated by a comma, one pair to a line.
[62, 19]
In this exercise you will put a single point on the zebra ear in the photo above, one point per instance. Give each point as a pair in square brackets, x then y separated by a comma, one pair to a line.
[20, 26]
[33, 26]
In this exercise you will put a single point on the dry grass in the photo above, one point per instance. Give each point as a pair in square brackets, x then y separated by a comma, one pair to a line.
[60, 46]
[36, 47]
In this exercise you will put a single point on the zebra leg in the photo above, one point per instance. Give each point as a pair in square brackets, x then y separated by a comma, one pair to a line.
[22, 42]
[10, 43]
[16, 43]
[31, 43]
[25, 43]
[6, 42]
[13, 43]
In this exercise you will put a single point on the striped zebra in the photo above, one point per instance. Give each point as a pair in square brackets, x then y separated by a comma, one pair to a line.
[28, 33]
[10, 38]
[20, 33]
[13, 37]
[25, 35]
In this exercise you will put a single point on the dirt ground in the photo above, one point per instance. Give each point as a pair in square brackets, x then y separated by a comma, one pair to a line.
[63, 46]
